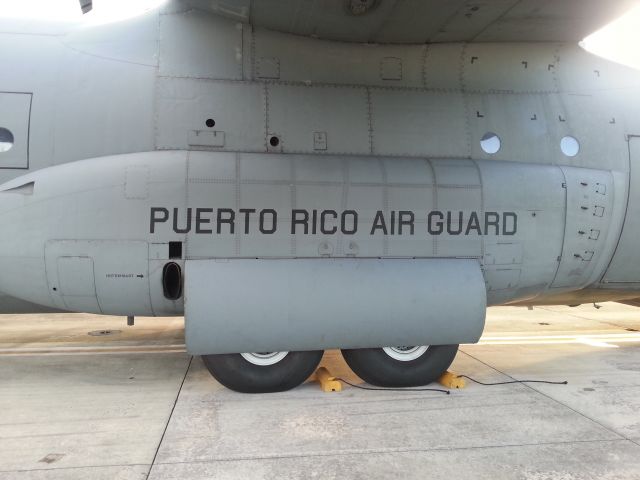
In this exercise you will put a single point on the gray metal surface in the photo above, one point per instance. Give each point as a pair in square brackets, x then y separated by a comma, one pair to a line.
[588, 216]
[227, 205]
[446, 98]
[274, 305]
[187, 120]
[99, 276]
[624, 265]
[15, 114]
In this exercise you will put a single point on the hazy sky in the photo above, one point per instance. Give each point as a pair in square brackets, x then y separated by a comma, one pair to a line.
[103, 10]
[619, 40]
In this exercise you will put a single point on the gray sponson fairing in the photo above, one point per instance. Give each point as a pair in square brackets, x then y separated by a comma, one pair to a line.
[362, 128]
[331, 303]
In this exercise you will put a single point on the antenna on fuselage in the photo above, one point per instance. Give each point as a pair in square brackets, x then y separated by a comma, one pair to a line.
[86, 5]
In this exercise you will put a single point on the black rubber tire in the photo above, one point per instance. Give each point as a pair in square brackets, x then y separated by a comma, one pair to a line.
[375, 367]
[236, 373]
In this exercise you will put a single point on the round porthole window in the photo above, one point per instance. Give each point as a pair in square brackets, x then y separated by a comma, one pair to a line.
[6, 140]
[569, 146]
[490, 143]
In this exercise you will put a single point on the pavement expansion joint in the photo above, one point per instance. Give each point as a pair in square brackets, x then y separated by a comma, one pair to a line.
[166, 426]
[559, 402]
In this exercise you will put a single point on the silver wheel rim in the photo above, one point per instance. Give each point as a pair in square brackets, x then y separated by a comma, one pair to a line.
[264, 359]
[406, 354]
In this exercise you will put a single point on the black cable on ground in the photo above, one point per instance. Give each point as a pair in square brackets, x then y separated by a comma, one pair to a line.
[512, 381]
[440, 390]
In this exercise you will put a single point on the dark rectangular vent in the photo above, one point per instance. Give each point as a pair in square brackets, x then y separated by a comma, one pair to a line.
[175, 249]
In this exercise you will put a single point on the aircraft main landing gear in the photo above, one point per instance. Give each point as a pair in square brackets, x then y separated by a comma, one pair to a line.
[401, 366]
[265, 372]
[262, 372]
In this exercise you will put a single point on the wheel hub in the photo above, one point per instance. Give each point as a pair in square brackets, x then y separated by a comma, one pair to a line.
[406, 353]
[264, 359]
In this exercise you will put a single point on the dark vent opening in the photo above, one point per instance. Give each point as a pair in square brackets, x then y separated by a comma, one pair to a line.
[175, 250]
[172, 281]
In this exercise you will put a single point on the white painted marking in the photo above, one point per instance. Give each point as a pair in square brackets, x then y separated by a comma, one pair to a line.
[596, 343]
[604, 340]
[89, 350]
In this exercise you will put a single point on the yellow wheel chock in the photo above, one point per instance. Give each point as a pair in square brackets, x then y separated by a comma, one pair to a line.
[451, 380]
[327, 382]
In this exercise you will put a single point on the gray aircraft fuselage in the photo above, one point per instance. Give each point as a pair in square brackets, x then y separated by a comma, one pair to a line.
[183, 136]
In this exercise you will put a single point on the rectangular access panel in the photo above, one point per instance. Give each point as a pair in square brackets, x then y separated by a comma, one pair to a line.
[260, 305]
[100, 276]
[75, 284]
[15, 111]
[589, 208]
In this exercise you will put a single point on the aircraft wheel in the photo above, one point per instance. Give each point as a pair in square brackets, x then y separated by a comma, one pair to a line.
[400, 366]
[262, 372]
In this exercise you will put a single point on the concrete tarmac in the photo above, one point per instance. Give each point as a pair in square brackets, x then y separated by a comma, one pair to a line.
[129, 403]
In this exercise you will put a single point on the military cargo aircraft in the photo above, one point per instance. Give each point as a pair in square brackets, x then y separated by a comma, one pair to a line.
[294, 175]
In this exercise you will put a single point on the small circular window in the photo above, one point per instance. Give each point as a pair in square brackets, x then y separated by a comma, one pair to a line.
[569, 146]
[490, 143]
[6, 140]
